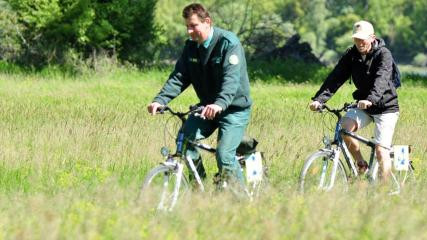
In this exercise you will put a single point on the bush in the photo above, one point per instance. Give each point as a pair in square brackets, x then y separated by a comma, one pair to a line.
[51, 29]
[420, 60]
[289, 70]
[10, 42]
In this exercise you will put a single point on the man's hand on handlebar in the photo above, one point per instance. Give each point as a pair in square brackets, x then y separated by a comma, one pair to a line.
[315, 105]
[153, 107]
[210, 111]
[364, 104]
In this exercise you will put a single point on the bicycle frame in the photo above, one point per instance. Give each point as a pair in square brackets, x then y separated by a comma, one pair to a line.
[342, 147]
[181, 145]
[169, 176]
[340, 143]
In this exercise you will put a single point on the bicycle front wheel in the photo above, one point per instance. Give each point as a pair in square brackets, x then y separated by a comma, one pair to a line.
[162, 186]
[318, 173]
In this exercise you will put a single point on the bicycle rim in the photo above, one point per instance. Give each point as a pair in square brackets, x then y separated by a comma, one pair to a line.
[256, 188]
[402, 179]
[162, 188]
[317, 174]
[397, 181]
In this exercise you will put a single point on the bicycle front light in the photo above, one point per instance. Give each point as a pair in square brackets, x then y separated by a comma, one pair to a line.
[164, 151]
[326, 141]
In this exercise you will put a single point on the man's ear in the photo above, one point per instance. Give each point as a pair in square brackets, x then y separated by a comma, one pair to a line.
[208, 20]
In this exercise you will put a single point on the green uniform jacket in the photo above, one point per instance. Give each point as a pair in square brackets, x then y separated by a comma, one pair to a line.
[218, 73]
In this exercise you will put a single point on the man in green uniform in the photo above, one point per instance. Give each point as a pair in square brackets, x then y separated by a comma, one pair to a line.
[213, 62]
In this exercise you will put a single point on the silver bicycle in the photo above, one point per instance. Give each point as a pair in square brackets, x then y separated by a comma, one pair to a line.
[166, 183]
[325, 169]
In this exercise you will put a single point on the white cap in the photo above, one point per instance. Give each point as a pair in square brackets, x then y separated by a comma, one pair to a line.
[362, 30]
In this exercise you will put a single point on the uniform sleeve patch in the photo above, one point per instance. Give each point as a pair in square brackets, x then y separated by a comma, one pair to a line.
[233, 59]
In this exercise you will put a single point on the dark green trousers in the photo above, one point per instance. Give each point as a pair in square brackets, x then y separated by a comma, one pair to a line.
[231, 125]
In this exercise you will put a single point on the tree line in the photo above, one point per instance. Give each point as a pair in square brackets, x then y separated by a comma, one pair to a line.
[146, 32]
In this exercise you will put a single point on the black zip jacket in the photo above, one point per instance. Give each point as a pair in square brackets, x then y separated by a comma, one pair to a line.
[372, 78]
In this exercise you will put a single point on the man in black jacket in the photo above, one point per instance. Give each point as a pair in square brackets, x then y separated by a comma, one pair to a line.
[370, 64]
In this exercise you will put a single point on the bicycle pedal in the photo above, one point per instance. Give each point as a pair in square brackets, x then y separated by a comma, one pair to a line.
[216, 179]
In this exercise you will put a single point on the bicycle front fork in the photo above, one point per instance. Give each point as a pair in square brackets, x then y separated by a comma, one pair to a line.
[196, 174]
[336, 160]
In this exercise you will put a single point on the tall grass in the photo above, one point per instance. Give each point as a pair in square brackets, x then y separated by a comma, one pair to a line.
[74, 150]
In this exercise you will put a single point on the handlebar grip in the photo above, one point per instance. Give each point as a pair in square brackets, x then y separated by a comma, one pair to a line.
[348, 106]
[162, 109]
[196, 109]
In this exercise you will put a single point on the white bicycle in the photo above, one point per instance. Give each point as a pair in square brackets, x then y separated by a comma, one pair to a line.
[166, 183]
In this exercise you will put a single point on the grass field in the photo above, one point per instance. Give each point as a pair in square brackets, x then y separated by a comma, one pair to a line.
[74, 151]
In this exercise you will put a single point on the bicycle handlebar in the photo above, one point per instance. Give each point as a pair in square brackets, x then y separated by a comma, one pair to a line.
[193, 109]
[344, 108]
[338, 111]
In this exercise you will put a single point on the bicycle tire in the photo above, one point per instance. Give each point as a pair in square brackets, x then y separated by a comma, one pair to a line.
[399, 180]
[316, 173]
[158, 188]
[256, 189]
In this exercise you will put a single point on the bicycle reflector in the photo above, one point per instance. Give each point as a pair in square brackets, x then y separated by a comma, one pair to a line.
[254, 169]
[401, 157]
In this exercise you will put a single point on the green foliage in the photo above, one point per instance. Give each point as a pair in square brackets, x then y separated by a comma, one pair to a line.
[146, 32]
[327, 24]
[259, 28]
[10, 68]
[51, 30]
[420, 60]
[289, 71]
[256, 23]
[10, 32]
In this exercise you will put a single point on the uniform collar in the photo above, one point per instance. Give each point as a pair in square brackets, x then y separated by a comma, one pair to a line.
[208, 41]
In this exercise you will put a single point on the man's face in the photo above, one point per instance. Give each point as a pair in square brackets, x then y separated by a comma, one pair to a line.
[364, 45]
[197, 29]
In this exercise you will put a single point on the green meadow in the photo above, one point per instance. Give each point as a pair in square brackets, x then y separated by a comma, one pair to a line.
[75, 149]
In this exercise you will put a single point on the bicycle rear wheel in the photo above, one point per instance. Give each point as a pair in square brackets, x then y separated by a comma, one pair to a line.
[163, 186]
[257, 180]
[403, 178]
[317, 173]
[398, 180]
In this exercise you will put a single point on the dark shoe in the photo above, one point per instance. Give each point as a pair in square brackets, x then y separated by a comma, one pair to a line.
[229, 184]
[219, 182]
[362, 167]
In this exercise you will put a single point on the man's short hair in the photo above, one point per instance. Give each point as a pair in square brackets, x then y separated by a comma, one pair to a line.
[195, 8]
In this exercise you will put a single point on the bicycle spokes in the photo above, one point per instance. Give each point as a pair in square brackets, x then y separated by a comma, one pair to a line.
[162, 186]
